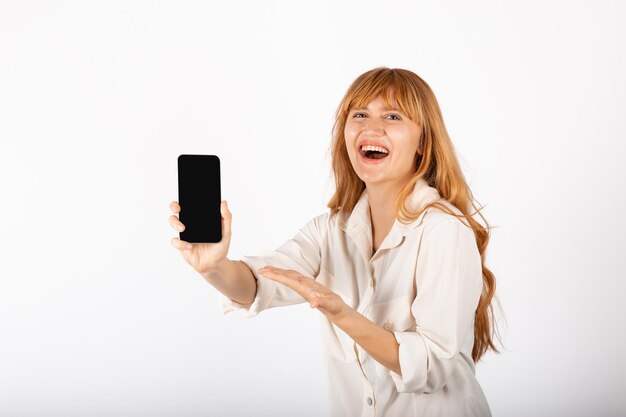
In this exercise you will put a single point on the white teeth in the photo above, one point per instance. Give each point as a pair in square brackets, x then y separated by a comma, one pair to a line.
[374, 148]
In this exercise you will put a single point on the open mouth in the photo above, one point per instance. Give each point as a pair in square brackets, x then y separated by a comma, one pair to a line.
[373, 153]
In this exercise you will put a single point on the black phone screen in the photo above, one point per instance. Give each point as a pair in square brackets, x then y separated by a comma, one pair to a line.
[199, 196]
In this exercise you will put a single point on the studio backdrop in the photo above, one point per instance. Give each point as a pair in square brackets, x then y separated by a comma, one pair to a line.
[100, 315]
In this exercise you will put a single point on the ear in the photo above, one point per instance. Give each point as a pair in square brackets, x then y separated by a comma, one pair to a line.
[420, 142]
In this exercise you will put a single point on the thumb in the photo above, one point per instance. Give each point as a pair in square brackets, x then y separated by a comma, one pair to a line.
[226, 218]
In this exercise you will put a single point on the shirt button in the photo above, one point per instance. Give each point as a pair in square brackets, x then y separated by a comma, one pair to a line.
[369, 401]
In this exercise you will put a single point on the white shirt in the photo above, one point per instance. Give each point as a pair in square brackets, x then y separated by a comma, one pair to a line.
[423, 283]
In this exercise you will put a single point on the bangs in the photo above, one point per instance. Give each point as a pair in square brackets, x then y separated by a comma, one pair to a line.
[396, 91]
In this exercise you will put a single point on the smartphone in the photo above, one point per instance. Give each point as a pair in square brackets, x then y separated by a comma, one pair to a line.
[199, 196]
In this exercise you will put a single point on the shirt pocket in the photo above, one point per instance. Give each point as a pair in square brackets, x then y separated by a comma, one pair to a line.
[395, 315]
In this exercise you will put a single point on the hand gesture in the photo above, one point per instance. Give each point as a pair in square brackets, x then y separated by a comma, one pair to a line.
[318, 295]
[202, 256]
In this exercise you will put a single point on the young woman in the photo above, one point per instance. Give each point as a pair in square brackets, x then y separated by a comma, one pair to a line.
[396, 266]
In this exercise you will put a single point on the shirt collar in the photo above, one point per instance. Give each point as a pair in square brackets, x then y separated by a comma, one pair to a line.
[360, 219]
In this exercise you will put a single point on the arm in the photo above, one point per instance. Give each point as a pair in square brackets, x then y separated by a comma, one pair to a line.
[301, 253]
[378, 342]
[234, 279]
[448, 281]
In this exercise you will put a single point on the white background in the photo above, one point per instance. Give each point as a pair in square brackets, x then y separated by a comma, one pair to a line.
[99, 314]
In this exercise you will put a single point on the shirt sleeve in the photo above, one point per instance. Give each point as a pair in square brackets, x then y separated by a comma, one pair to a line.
[301, 253]
[448, 287]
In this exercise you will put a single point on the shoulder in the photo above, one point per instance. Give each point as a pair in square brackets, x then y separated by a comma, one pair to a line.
[439, 223]
[319, 225]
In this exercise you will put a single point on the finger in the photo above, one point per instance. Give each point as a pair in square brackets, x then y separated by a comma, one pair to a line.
[276, 276]
[299, 284]
[175, 207]
[181, 244]
[176, 223]
[226, 218]
[294, 277]
[287, 272]
[293, 283]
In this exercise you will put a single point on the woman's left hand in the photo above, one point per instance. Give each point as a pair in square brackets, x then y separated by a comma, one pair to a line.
[318, 295]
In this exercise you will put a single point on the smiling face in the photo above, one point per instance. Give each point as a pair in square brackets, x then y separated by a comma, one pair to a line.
[382, 127]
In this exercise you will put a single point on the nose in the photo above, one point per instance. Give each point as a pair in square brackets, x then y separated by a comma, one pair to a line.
[374, 127]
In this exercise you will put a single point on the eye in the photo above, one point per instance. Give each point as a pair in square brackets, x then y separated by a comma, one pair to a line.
[394, 117]
[359, 115]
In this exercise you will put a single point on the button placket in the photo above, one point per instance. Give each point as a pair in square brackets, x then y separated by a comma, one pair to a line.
[369, 292]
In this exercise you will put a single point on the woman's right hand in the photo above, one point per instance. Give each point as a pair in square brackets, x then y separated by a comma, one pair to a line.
[202, 257]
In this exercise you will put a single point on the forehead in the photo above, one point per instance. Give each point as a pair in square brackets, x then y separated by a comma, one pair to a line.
[379, 103]
[386, 97]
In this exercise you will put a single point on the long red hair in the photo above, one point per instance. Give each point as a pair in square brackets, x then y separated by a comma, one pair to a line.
[438, 165]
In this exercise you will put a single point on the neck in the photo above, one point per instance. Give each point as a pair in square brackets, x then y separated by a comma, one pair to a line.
[382, 199]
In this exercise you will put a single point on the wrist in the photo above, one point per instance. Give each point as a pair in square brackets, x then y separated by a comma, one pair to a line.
[216, 270]
[340, 317]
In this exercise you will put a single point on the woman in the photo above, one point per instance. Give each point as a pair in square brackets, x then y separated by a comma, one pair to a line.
[396, 266]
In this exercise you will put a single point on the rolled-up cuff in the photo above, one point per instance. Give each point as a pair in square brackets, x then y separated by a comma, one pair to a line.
[413, 358]
[265, 291]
